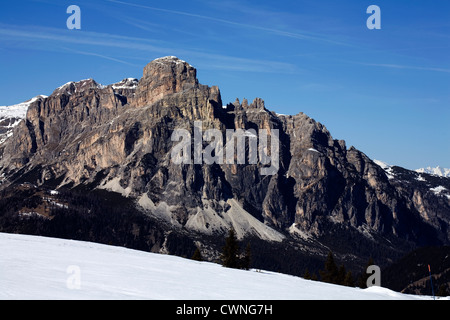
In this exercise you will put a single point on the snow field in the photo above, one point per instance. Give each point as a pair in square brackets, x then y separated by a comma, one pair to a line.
[33, 267]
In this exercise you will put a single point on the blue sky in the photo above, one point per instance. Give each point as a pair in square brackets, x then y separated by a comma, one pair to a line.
[387, 91]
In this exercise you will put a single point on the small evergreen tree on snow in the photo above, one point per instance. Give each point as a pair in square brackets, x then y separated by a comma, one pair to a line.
[341, 275]
[246, 260]
[230, 251]
[348, 280]
[330, 272]
[307, 275]
[197, 255]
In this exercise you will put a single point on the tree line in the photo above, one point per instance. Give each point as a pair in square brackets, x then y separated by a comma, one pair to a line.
[232, 257]
[331, 273]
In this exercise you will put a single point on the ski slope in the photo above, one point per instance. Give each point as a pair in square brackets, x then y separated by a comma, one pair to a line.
[33, 267]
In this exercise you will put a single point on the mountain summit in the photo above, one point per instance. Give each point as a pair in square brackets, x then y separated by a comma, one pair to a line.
[165, 76]
[120, 138]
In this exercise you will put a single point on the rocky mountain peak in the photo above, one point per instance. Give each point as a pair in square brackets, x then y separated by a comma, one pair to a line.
[165, 76]
[77, 87]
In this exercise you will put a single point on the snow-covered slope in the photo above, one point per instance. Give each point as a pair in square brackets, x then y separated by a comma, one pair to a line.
[34, 267]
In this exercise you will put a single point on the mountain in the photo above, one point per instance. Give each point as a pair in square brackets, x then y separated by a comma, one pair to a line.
[411, 183]
[10, 116]
[438, 171]
[64, 270]
[181, 168]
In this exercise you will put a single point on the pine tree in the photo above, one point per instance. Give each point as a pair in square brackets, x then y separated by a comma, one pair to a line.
[246, 260]
[348, 281]
[307, 275]
[442, 292]
[197, 255]
[330, 273]
[341, 275]
[230, 251]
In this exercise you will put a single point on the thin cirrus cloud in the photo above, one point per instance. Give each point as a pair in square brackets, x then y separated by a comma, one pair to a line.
[36, 33]
[399, 66]
[94, 54]
[297, 35]
[57, 40]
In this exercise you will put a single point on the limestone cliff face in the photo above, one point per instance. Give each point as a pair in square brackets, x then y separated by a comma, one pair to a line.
[162, 77]
[118, 137]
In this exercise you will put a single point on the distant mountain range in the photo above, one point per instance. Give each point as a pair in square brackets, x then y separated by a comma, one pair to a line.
[94, 162]
[438, 171]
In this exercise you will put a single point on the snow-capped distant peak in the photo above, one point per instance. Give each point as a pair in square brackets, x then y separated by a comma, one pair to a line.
[437, 171]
